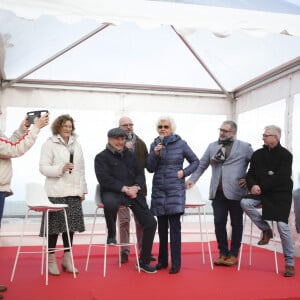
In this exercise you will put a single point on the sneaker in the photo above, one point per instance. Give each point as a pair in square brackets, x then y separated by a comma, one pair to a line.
[147, 268]
[111, 241]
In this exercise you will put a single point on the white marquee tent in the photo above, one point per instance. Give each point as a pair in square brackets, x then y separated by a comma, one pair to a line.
[201, 61]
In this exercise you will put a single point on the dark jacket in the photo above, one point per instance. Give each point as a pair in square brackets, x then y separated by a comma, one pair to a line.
[115, 170]
[271, 170]
[141, 154]
[168, 192]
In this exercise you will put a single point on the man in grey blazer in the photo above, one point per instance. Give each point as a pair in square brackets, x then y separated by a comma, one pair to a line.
[229, 160]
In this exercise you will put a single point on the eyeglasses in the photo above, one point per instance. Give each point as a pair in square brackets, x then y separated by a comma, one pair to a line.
[224, 130]
[127, 125]
[267, 135]
[163, 126]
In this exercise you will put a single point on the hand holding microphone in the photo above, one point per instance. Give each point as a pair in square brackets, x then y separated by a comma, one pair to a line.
[71, 160]
[69, 165]
[158, 148]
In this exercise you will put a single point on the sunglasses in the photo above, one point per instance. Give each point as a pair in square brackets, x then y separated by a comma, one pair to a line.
[163, 126]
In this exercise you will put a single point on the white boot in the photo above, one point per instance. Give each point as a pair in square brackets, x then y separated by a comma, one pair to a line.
[66, 263]
[52, 265]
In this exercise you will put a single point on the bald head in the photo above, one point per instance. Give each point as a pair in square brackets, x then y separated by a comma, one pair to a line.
[126, 124]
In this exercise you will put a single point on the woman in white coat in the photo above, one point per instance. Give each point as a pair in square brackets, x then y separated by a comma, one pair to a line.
[62, 163]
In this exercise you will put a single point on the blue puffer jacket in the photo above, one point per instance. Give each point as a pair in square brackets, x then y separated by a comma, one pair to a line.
[168, 192]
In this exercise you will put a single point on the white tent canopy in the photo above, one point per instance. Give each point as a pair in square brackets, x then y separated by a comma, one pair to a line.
[153, 44]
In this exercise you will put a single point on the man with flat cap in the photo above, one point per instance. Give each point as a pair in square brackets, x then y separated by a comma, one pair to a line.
[121, 179]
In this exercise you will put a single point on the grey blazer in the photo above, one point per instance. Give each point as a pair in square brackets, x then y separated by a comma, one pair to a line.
[232, 169]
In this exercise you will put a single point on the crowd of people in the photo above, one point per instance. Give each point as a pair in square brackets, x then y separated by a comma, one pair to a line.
[241, 181]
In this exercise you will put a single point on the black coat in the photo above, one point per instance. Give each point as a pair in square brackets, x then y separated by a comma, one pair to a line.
[115, 170]
[271, 170]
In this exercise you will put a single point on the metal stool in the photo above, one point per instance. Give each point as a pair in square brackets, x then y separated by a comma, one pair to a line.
[200, 206]
[250, 242]
[100, 205]
[37, 200]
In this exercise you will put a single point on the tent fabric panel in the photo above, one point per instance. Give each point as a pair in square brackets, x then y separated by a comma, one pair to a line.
[93, 100]
[220, 20]
[271, 92]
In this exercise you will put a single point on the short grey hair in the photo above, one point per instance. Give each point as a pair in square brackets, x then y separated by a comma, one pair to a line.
[169, 119]
[274, 130]
[232, 125]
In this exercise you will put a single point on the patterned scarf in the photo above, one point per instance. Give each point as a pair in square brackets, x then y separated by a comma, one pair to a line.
[220, 152]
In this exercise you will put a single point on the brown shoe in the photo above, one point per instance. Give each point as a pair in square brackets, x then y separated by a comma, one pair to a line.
[266, 236]
[3, 288]
[289, 271]
[220, 261]
[231, 261]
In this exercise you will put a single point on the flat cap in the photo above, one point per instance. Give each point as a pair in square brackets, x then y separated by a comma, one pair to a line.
[116, 132]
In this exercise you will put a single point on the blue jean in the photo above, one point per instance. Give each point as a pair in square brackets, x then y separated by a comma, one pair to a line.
[221, 207]
[175, 236]
[248, 205]
[2, 201]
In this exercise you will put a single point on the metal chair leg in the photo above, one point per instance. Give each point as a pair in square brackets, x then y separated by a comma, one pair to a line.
[20, 244]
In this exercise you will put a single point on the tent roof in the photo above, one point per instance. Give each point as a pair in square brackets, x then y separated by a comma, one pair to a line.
[156, 44]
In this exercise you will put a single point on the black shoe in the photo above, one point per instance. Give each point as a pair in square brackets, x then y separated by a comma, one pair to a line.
[111, 241]
[152, 258]
[160, 266]
[174, 270]
[124, 258]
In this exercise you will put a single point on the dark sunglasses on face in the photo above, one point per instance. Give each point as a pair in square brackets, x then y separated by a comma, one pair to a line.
[163, 126]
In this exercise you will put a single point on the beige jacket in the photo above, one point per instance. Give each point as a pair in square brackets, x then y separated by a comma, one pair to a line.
[15, 146]
[54, 155]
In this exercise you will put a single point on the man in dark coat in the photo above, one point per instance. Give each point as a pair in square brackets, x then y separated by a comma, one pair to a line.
[270, 185]
[137, 146]
[121, 179]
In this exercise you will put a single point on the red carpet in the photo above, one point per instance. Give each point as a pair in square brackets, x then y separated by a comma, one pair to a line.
[195, 281]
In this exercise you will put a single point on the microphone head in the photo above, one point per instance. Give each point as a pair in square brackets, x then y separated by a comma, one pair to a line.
[161, 138]
[129, 137]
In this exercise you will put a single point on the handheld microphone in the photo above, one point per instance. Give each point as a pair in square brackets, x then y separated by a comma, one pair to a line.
[161, 139]
[71, 159]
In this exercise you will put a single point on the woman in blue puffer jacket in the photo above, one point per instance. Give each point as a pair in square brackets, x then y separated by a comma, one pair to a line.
[165, 160]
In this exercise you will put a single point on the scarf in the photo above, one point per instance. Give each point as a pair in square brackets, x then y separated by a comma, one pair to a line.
[113, 150]
[131, 138]
[220, 154]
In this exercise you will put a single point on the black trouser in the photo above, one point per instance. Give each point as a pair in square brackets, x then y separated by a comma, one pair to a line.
[112, 202]
[175, 236]
[52, 241]
[221, 207]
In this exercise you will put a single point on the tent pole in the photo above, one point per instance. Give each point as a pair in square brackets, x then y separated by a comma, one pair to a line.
[58, 54]
[288, 120]
[230, 97]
